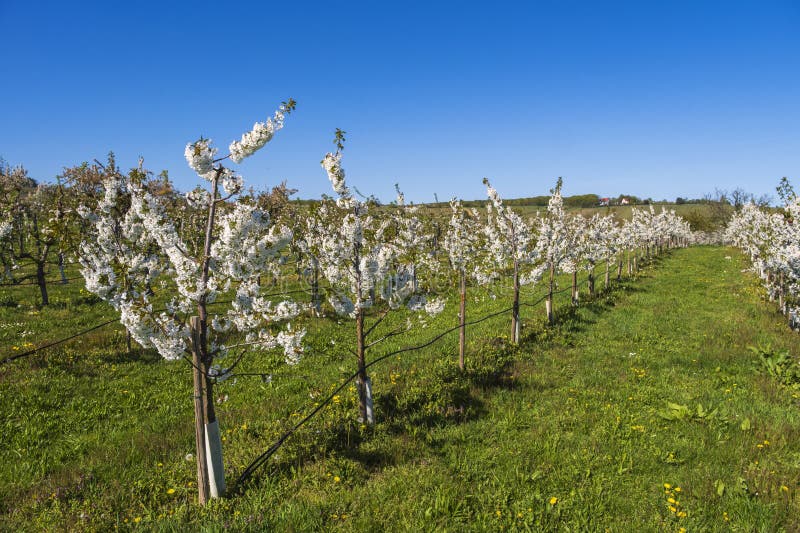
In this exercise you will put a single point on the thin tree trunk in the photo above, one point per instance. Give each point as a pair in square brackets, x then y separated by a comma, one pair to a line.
[515, 324]
[199, 380]
[41, 281]
[315, 300]
[575, 287]
[209, 441]
[591, 282]
[61, 268]
[548, 305]
[608, 275]
[462, 319]
[363, 384]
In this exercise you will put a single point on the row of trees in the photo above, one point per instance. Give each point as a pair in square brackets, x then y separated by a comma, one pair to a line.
[771, 237]
[165, 261]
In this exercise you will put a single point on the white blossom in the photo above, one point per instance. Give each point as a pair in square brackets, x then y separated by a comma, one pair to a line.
[253, 140]
[200, 156]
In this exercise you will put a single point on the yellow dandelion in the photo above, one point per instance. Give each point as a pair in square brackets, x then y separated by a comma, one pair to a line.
[671, 500]
[784, 488]
[667, 486]
[498, 513]
[553, 500]
[677, 489]
[336, 479]
[137, 519]
[170, 491]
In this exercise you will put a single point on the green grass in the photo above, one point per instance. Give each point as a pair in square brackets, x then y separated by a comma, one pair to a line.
[579, 415]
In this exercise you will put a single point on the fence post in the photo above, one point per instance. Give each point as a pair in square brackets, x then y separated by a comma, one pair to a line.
[198, 373]
[462, 319]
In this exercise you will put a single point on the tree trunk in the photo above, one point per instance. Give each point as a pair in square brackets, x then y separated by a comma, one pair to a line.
[363, 384]
[199, 375]
[207, 434]
[591, 282]
[575, 287]
[515, 325]
[548, 305]
[619, 269]
[61, 268]
[462, 319]
[316, 304]
[41, 282]
[608, 275]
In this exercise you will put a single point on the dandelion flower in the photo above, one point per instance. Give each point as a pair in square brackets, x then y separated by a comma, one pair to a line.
[553, 500]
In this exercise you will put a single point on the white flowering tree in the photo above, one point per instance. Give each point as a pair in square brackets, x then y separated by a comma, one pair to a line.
[599, 246]
[554, 243]
[413, 240]
[32, 225]
[510, 248]
[362, 264]
[137, 257]
[773, 242]
[577, 245]
[465, 248]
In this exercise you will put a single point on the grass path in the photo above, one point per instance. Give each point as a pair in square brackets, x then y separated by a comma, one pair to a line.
[578, 441]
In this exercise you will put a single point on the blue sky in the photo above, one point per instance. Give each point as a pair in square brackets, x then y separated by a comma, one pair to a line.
[657, 99]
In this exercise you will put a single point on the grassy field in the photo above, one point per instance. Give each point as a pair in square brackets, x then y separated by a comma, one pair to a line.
[642, 410]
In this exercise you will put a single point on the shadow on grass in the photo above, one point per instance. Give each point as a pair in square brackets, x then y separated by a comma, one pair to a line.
[444, 394]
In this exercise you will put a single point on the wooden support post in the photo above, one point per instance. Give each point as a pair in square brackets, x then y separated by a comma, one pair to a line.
[515, 323]
[198, 372]
[575, 287]
[462, 320]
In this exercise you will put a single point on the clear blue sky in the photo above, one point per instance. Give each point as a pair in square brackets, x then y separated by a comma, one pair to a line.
[658, 99]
